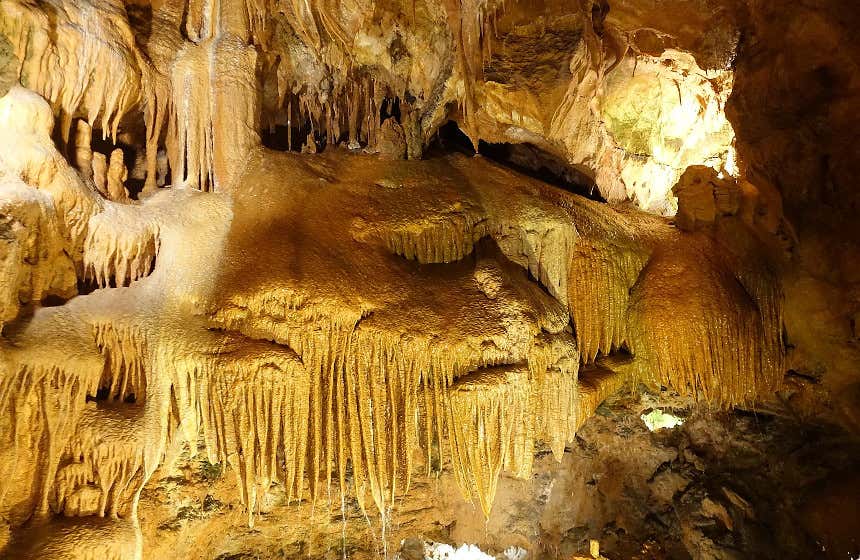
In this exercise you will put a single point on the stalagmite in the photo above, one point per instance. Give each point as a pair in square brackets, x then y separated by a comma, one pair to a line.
[99, 167]
[84, 149]
[117, 173]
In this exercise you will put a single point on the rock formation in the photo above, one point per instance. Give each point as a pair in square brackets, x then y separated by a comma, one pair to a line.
[229, 229]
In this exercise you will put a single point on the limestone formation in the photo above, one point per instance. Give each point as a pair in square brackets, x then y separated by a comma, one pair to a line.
[117, 174]
[343, 318]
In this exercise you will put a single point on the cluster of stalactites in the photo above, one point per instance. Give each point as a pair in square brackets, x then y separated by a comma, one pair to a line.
[343, 107]
[542, 248]
[250, 400]
[39, 404]
[361, 400]
[472, 24]
[719, 338]
[179, 101]
[103, 465]
[440, 241]
[201, 59]
[103, 468]
[121, 246]
[190, 131]
[612, 273]
[351, 113]
[698, 318]
[375, 400]
[84, 60]
[600, 281]
[92, 455]
[495, 417]
[124, 376]
[490, 429]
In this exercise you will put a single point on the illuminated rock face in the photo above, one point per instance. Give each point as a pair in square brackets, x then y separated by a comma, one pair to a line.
[628, 110]
[338, 324]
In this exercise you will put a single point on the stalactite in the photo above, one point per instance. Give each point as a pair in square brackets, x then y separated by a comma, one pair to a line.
[447, 240]
[378, 383]
[104, 462]
[250, 401]
[121, 245]
[597, 382]
[491, 428]
[709, 339]
[347, 112]
[192, 156]
[66, 66]
[598, 295]
[556, 405]
[124, 349]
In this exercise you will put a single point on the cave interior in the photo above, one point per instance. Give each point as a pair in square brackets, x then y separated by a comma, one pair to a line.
[461, 280]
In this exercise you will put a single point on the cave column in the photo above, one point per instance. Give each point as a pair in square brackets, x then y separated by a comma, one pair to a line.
[215, 94]
[236, 121]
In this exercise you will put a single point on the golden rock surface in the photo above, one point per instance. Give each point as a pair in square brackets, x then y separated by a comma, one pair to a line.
[340, 323]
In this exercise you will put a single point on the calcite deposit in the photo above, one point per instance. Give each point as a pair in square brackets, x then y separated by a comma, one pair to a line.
[260, 236]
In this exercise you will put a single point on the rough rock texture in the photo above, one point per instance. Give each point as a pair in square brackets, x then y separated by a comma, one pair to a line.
[366, 367]
[351, 334]
[794, 99]
[34, 264]
[707, 489]
[792, 108]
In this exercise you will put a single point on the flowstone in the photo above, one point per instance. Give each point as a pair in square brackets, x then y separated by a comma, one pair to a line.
[335, 316]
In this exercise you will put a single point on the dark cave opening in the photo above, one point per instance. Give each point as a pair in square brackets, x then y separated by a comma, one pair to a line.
[531, 160]
[291, 133]
[527, 159]
[133, 156]
[285, 138]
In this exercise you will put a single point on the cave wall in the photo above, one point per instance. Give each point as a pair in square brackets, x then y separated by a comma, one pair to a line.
[793, 109]
[793, 106]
